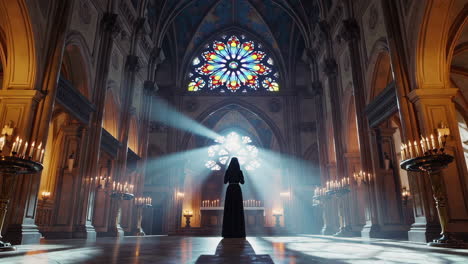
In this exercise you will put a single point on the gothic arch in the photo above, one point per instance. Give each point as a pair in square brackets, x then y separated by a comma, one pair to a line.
[133, 135]
[75, 68]
[433, 39]
[382, 75]
[241, 104]
[15, 22]
[352, 141]
[111, 114]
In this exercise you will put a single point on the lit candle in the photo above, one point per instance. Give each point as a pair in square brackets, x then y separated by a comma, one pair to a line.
[439, 138]
[24, 150]
[31, 150]
[19, 146]
[38, 153]
[433, 142]
[416, 147]
[423, 147]
[15, 145]
[41, 159]
[13, 148]
[428, 142]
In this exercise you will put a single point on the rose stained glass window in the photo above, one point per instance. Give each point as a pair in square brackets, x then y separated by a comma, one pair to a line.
[232, 145]
[233, 64]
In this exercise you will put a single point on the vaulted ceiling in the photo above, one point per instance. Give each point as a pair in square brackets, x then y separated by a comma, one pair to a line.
[183, 26]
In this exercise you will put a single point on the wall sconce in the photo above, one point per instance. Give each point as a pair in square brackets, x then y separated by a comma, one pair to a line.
[71, 162]
[45, 196]
[285, 194]
[405, 194]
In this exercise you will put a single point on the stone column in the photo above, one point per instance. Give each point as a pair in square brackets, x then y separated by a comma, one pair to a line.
[109, 28]
[426, 226]
[350, 33]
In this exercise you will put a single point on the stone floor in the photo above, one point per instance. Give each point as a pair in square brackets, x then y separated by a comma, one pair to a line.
[294, 249]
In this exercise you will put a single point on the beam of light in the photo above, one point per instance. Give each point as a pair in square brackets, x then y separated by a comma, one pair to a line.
[192, 160]
[169, 116]
[286, 184]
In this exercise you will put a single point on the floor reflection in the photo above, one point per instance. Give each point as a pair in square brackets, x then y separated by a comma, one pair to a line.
[234, 250]
[188, 250]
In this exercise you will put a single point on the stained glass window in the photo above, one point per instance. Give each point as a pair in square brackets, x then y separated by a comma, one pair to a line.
[232, 145]
[233, 64]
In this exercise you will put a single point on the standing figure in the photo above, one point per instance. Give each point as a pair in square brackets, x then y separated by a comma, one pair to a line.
[233, 220]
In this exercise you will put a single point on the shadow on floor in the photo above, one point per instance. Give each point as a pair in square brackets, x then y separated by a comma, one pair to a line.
[234, 250]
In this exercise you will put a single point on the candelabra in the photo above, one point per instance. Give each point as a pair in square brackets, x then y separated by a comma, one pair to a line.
[20, 160]
[141, 203]
[430, 158]
[122, 191]
[362, 177]
[339, 190]
[187, 214]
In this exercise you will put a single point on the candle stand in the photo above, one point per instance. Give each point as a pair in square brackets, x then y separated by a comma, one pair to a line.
[432, 165]
[10, 167]
[341, 195]
[277, 220]
[141, 203]
[187, 216]
[319, 200]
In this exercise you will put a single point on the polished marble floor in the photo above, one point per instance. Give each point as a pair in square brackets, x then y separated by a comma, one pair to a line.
[294, 249]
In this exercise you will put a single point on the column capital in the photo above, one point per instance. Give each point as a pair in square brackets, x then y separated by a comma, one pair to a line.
[330, 67]
[428, 93]
[317, 88]
[132, 63]
[350, 30]
[149, 87]
[111, 24]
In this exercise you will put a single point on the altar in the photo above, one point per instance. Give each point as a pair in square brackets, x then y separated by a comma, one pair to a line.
[213, 217]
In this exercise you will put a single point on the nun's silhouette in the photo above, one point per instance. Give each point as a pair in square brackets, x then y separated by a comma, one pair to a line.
[233, 220]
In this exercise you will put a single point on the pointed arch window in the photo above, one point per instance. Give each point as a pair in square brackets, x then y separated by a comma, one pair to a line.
[233, 64]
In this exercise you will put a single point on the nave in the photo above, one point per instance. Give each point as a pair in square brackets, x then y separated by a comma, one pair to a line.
[280, 250]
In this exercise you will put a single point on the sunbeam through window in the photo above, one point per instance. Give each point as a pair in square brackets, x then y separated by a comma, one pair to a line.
[232, 145]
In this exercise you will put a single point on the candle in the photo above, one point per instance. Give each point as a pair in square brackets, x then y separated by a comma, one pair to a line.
[410, 149]
[416, 147]
[423, 147]
[41, 159]
[428, 143]
[13, 148]
[24, 149]
[31, 150]
[439, 138]
[19, 146]
[433, 142]
[38, 153]
[15, 145]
